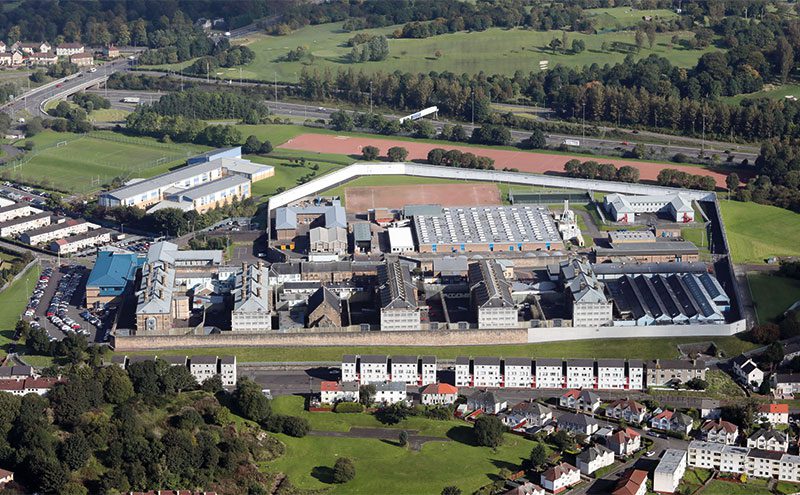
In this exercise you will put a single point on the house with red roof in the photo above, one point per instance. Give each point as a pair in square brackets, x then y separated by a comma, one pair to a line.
[624, 442]
[774, 414]
[627, 409]
[672, 421]
[332, 392]
[6, 477]
[581, 400]
[632, 482]
[720, 431]
[437, 394]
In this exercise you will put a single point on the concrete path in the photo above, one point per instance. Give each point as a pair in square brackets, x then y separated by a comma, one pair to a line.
[387, 434]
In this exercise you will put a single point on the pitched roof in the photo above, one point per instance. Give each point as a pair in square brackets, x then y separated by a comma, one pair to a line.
[630, 482]
[593, 453]
[774, 408]
[440, 389]
[557, 471]
[489, 286]
[715, 426]
[776, 435]
[627, 404]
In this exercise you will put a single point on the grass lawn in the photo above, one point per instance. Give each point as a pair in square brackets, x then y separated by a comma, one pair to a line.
[494, 51]
[644, 348]
[108, 115]
[772, 295]
[288, 174]
[720, 385]
[787, 488]
[771, 91]
[757, 232]
[383, 467]
[12, 304]
[754, 486]
[84, 163]
[623, 17]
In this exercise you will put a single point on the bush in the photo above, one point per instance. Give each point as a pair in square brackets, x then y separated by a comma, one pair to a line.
[296, 427]
[489, 431]
[370, 153]
[348, 407]
[397, 154]
[343, 470]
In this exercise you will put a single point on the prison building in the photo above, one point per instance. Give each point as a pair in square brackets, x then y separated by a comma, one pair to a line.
[662, 300]
[156, 306]
[324, 309]
[397, 297]
[490, 293]
[585, 294]
[362, 237]
[76, 243]
[613, 271]
[191, 258]
[207, 196]
[630, 236]
[624, 208]
[17, 210]
[289, 218]
[112, 274]
[251, 310]
[487, 229]
[60, 228]
[15, 226]
[649, 252]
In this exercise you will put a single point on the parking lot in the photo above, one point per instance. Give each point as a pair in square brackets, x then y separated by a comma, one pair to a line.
[57, 305]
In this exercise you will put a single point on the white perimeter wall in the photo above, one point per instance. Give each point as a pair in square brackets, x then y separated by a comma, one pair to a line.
[337, 177]
[540, 335]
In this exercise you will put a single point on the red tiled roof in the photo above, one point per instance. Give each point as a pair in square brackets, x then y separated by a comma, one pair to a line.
[630, 482]
[440, 389]
[717, 425]
[574, 393]
[774, 408]
[627, 404]
[557, 471]
[664, 414]
[11, 385]
[329, 386]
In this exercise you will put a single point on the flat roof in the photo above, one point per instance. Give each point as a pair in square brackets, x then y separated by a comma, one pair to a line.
[242, 166]
[362, 232]
[400, 237]
[670, 461]
[645, 248]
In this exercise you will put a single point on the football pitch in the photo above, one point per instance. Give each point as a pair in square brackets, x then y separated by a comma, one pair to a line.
[84, 164]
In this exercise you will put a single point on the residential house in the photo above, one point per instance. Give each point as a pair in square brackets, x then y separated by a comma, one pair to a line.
[580, 373]
[672, 421]
[626, 409]
[518, 372]
[720, 431]
[110, 51]
[713, 455]
[577, 423]
[710, 409]
[374, 369]
[67, 49]
[526, 488]
[632, 482]
[228, 371]
[485, 401]
[580, 400]
[663, 372]
[636, 374]
[42, 59]
[203, 367]
[593, 458]
[611, 374]
[670, 471]
[624, 442]
[404, 369]
[747, 372]
[787, 384]
[427, 370]
[31, 47]
[390, 392]
[486, 372]
[744, 460]
[349, 368]
[462, 370]
[534, 413]
[560, 477]
[333, 392]
[324, 309]
[774, 414]
[763, 463]
[438, 394]
[549, 373]
[11, 59]
[768, 440]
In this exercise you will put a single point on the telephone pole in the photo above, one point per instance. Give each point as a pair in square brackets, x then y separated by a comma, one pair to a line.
[370, 96]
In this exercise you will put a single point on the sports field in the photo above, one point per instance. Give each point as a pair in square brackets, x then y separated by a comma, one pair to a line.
[757, 232]
[539, 163]
[75, 163]
[361, 199]
[494, 51]
[772, 295]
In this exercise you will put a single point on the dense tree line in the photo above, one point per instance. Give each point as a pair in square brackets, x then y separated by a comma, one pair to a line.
[671, 177]
[201, 104]
[374, 49]
[229, 57]
[603, 171]
[456, 158]
[90, 101]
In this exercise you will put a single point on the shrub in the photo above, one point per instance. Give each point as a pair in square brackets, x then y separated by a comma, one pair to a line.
[370, 153]
[348, 407]
[343, 470]
[397, 154]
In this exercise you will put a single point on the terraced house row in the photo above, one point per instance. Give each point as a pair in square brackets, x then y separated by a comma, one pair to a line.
[601, 374]
[750, 461]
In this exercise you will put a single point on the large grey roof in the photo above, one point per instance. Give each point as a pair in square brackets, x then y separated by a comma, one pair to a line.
[335, 215]
[155, 295]
[648, 248]
[169, 252]
[163, 180]
[214, 186]
[395, 288]
[405, 359]
[450, 264]
[489, 286]
[649, 268]
[362, 232]
[323, 295]
[663, 298]
[251, 294]
[486, 361]
[21, 220]
[592, 453]
[374, 359]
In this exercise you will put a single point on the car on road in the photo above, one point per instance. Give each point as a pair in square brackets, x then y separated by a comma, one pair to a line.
[93, 69]
[59, 85]
[650, 453]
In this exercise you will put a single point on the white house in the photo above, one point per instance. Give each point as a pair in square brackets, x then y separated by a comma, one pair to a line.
[533, 413]
[624, 442]
[428, 370]
[713, 455]
[486, 372]
[549, 373]
[594, 458]
[627, 409]
[560, 477]
[374, 369]
[349, 370]
[526, 488]
[404, 369]
[462, 370]
[624, 208]
[672, 421]
[580, 373]
[768, 440]
[577, 423]
[390, 392]
[747, 372]
[485, 401]
[580, 400]
[787, 384]
[636, 374]
[774, 414]
[437, 394]
[670, 471]
[518, 372]
[611, 374]
[720, 431]
[333, 392]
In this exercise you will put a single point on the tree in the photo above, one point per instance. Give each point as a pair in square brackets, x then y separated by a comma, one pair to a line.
[74, 451]
[424, 129]
[774, 354]
[250, 401]
[296, 427]
[212, 384]
[488, 431]
[697, 384]
[766, 387]
[535, 141]
[563, 440]
[451, 490]
[766, 333]
[639, 39]
[266, 147]
[343, 470]
[397, 154]
[578, 46]
[538, 456]
[626, 173]
[555, 44]
[251, 145]
[342, 121]
[370, 153]
[366, 394]
[117, 387]
[402, 439]
[650, 31]
[732, 181]
[436, 156]
[393, 413]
